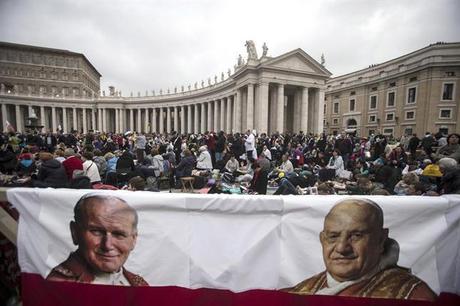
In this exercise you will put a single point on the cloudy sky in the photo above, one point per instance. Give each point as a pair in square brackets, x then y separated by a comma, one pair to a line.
[140, 45]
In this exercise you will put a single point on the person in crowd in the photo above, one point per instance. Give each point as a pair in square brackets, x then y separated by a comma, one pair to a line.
[336, 162]
[140, 144]
[414, 143]
[286, 166]
[427, 143]
[360, 258]
[51, 173]
[232, 165]
[90, 168]
[250, 144]
[104, 230]
[71, 163]
[204, 161]
[451, 149]
[186, 165]
[450, 181]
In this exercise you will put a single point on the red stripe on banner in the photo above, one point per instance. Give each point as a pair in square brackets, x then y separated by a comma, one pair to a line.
[37, 291]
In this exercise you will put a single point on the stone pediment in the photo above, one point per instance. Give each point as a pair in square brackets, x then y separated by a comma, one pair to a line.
[297, 60]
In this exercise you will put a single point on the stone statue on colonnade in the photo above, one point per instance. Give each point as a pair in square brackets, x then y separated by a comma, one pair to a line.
[251, 49]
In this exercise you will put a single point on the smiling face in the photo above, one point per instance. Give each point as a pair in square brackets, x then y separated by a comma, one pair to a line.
[352, 240]
[106, 234]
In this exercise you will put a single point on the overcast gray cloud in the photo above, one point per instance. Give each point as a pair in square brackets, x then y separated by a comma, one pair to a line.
[144, 45]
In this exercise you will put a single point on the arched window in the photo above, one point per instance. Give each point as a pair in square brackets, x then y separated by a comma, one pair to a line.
[351, 123]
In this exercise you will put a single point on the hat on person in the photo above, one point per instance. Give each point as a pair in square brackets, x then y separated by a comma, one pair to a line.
[432, 170]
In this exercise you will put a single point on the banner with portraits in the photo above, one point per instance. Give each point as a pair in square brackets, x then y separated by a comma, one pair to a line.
[125, 248]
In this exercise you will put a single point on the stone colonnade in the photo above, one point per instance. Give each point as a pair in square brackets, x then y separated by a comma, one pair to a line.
[264, 106]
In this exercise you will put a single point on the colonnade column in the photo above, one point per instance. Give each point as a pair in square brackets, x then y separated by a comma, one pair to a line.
[320, 110]
[209, 115]
[203, 118]
[280, 109]
[304, 111]
[237, 107]
[250, 108]
[263, 108]
[153, 125]
[168, 120]
[99, 119]
[121, 115]
[4, 116]
[182, 120]
[117, 121]
[93, 120]
[53, 119]
[104, 119]
[189, 119]
[131, 119]
[64, 120]
[85, 127]
[176, 118]
[74, 119]
[216, 116]
[197, 120]
[139, 120]
[147, 121]
[222, 115]
[228, 128]
[42, 115]
[162, 123]
[18, 119]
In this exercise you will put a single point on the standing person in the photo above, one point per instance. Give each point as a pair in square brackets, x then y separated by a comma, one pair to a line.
[140, 144]
[220, 146]
[345, 146]
[427, 143]
[250, 144]
[414, 142]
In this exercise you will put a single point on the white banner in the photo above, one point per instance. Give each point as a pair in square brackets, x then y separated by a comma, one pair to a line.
[239, 242]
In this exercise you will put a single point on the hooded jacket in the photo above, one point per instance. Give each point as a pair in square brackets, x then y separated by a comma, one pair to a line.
[51, 174]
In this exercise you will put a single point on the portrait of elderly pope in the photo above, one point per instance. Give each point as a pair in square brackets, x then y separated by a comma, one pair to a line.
[105, 232]
[360, 258]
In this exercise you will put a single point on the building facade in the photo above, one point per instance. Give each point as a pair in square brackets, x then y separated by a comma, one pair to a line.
[414, 93]
[290, 92]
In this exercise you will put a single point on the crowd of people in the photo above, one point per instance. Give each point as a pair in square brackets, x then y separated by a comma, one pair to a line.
[289, 163]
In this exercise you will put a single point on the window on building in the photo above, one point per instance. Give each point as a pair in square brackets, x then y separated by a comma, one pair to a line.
[413, 79]
[450, 73]
[388, 131]
[373, 102]
[445, 114]
[336, 107]
[352, 93]
[392, 84]
[372, 118]
[374, 88]
[448, 91]
[444, 130]
[390, 117]
[352, 105]
[43, 89]
[391, 99]
[53, 90]
[410, 115]
[335, 121]
[408, 131]
[411, 95]
[325, 108]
